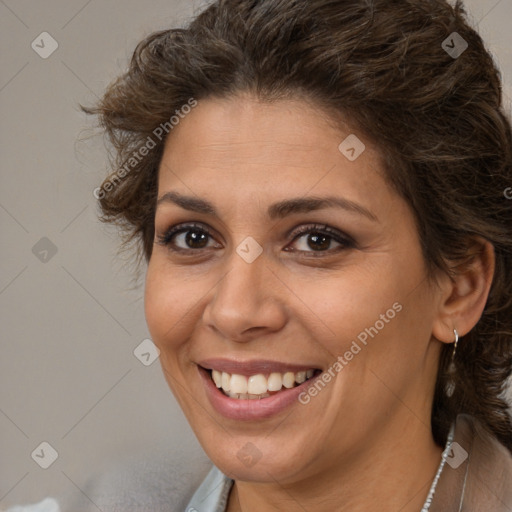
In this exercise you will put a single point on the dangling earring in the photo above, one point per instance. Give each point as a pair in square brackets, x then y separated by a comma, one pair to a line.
[450, 385]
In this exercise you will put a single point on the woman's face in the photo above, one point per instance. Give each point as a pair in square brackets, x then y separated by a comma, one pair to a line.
[273, 282]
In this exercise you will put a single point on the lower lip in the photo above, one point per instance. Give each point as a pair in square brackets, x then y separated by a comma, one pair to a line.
[256, 409]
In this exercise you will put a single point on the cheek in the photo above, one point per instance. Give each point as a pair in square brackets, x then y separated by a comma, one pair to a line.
[353, 302]
[155, 303]
[377, 314]
[165, 306]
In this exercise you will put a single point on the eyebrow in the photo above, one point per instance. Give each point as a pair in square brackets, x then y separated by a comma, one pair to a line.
[277, 210]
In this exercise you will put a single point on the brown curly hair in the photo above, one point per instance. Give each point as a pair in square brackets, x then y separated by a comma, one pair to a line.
[383, 65]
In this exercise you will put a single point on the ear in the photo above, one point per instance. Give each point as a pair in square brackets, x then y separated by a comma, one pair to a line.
[464, 293]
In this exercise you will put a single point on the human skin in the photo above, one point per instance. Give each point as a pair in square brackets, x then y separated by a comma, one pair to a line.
[364, 442]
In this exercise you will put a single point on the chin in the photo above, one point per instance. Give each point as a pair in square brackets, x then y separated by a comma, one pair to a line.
[257, 458]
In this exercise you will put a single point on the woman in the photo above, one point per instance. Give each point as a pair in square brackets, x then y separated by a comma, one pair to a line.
[318, 188]
[329, 250]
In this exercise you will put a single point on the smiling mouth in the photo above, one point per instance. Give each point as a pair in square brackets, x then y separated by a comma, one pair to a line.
[258, 386]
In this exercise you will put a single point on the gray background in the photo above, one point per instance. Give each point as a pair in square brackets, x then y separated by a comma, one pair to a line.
[71, 320]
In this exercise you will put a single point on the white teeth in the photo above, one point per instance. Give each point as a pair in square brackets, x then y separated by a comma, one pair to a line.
[257, 386]
[217, 378]
[247, 396]
[226, 379]
[300, 377]
[288, 380]
[238, 384]
[275, 382]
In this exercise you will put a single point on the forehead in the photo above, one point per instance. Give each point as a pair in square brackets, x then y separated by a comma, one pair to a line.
[245, 146]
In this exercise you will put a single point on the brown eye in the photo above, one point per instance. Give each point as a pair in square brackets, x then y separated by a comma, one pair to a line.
[186, 238]
[319, 239]
[196, 239]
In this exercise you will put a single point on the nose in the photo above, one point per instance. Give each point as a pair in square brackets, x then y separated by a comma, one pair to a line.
[247, 302]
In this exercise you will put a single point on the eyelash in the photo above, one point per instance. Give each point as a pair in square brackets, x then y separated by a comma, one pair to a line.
[345, 241]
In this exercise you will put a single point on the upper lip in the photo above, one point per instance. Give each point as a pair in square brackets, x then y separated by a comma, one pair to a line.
[252, 367]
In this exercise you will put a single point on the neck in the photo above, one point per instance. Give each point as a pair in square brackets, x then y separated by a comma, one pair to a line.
[389, 474]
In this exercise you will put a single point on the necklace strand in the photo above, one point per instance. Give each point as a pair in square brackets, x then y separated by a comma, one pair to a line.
[430, 497]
